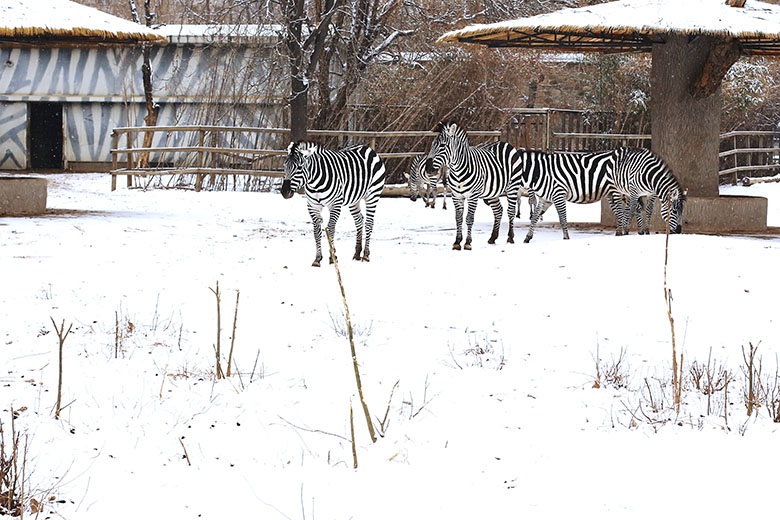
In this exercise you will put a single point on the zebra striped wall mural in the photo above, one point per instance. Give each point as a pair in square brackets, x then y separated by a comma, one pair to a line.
[101, 88]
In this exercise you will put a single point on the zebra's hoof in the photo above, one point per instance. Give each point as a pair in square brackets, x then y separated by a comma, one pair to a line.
[365, 258]
[527, 239]
[492, 241]
[316, 263]
[510, 240]
[467, 247]
[356, 257]
[456, 247]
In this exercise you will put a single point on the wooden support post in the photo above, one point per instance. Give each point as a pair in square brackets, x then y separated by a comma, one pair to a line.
[114, 158]
[130, 162]
[201, 160]
[547, 130]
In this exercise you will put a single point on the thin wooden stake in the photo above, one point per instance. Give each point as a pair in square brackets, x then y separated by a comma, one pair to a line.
[352, 433]
[351, 340]
[216, 292]
[233, 337]
[61, 338]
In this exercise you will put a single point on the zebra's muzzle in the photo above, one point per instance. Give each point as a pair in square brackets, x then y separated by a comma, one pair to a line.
[287, 190]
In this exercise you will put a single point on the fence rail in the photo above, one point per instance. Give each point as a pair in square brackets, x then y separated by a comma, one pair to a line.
[201, 156]
[234, 150]
[746, 153]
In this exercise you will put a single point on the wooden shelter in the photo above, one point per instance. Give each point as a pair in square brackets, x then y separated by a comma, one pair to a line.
[37, 22]
[693, 44]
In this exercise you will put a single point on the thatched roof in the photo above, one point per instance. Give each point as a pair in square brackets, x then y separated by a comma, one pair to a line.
[50, 21]
[633, 25]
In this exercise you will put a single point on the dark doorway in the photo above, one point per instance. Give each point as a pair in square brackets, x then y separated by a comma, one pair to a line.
[44, 133]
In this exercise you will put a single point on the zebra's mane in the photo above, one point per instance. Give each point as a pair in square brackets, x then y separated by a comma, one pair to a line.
[305, 148]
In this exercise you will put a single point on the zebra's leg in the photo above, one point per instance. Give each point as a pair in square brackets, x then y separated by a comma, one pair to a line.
[335, 211]
[444, 197]
[648, 215]
[495, 205]
[315, 212]
[615, 201]
[633, 204]
[560, 207]
[370, 212]
[470, 221]
[458, 222]
[358, 217]
[512, 200]
[539, 208]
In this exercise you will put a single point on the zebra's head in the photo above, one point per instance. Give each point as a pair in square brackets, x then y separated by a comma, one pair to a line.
[672, 209]
[439, 156]
[295, 167]
[415, 177]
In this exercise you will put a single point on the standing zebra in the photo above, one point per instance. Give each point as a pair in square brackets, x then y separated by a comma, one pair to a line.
[476, 172]
[332, 179]
[638, 173]
[425, 185]
[559, 177]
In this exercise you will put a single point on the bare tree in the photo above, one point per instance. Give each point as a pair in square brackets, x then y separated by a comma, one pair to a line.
[152, 108]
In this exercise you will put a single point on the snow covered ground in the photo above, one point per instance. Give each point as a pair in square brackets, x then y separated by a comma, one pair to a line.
[483, 363]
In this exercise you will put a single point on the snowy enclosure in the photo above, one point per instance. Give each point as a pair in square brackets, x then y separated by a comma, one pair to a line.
[479, 367]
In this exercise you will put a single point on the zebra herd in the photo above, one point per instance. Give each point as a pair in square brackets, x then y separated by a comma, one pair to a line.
[623, 177]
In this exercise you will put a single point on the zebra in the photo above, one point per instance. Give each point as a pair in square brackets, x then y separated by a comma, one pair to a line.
[333, 179]
[476, 172]
[425, 185]
[559, 177]
[639, 172]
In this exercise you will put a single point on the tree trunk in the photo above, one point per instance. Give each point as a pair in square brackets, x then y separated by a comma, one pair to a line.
[298, 84]
[152, 108]
[685, 130]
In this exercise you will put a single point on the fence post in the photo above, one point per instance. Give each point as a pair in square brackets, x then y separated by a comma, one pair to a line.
[548, 131]
[130, 163]
[201, 163]
[114, 158]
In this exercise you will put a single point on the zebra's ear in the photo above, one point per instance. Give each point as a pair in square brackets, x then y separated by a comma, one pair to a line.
[291, 147]
[440, 127]
[684, 195]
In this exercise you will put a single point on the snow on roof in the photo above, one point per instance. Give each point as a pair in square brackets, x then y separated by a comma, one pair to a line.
[632, 25]
[195, 33]
[41, 21]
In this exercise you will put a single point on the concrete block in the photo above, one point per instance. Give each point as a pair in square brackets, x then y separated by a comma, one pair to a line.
[724, 214]
[22, 196]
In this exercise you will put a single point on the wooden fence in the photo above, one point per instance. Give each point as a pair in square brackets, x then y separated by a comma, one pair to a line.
[227, 150]
[749, 154]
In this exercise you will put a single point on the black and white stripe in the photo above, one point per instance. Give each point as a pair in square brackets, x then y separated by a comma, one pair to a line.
[424, 184]
[639, 173]
[476, 172]
[333, 179]
[556, 178]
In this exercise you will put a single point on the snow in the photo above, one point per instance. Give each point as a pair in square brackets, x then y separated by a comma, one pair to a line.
[201, 33]
[493, 352]
[63, 17]
[647, 16]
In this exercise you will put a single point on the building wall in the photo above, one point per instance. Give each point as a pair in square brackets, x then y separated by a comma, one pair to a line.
[101, 88]
[13, 135]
